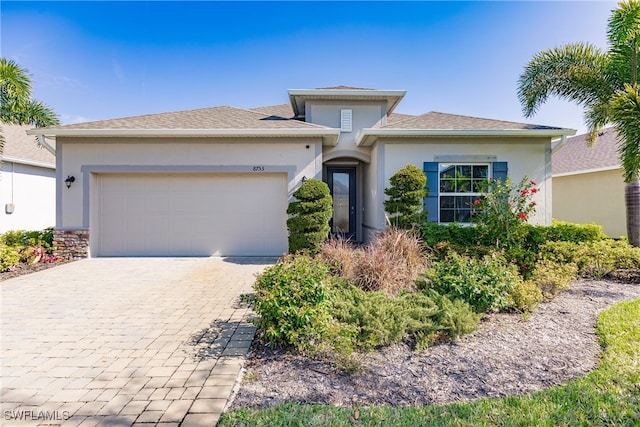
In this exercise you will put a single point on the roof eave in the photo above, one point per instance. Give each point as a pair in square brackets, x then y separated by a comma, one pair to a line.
[368, 136]
[11, 159]
[329, 136]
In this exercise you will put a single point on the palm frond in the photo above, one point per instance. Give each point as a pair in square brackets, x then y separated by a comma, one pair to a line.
[575, 72]
[625, 113]
[15, 83]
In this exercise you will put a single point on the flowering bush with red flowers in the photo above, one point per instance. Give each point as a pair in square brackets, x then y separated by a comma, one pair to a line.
[504, 209]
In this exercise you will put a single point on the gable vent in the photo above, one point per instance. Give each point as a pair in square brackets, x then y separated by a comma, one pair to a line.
[346, 120]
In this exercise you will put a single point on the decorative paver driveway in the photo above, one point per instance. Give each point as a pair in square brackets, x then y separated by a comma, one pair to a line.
[124, 341]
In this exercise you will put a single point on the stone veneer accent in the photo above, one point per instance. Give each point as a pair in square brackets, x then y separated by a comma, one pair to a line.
[71, 244]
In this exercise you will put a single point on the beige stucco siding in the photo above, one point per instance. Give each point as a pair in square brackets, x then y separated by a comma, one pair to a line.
[526, 157]
[297, 158]
[596, 197]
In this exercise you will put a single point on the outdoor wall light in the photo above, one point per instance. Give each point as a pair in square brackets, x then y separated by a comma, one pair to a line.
[304, 179]
[70, 179]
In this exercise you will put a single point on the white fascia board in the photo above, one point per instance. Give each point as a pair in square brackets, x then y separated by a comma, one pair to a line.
[10, 159]
[329, 136]
[368, 136]
[585, 171]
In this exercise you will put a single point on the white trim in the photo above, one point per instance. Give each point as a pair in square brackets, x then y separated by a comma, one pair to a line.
[329, 136]
[45, 144]
[35, 163]
[368, 136]
[580, 172]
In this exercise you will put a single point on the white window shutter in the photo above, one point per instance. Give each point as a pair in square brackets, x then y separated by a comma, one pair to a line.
[346, 120]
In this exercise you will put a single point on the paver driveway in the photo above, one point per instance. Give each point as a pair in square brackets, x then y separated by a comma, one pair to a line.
[124, 341]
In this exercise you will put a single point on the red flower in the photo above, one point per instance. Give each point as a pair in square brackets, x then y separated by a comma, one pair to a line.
[476, 202]
[522, 215]
[534, 190]
[533, 203]
[524, 192]
[532, 182]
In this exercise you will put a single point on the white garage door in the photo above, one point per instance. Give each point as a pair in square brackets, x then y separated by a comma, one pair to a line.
[184, 214]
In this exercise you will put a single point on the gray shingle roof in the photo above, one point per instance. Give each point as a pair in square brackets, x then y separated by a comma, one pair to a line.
[576, 155]
[20, 146]
[443, 121]
[203, 118]
[285, 111]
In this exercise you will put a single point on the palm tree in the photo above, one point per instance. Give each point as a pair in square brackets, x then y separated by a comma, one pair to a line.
[605, 84]
[16, 105]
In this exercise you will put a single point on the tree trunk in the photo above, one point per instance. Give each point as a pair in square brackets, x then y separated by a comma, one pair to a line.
[632, 200]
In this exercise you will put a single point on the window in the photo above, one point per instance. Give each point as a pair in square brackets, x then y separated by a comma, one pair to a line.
[459, 185]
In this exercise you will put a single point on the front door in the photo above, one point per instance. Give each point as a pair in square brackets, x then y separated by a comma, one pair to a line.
[342, 184]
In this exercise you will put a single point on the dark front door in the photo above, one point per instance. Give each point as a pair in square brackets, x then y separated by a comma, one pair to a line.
[342, 183]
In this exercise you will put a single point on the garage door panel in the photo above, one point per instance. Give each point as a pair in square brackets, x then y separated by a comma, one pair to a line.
[191, 214]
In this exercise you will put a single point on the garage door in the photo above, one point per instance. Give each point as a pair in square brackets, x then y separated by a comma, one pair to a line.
[183, 214]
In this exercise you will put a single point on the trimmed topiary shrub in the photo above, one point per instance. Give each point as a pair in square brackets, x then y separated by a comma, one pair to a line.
[311, 212]
[405, 205]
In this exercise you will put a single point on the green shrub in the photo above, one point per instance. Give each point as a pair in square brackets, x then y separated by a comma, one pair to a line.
[553, 277]
[290, 300]
[311, 212]
[577, 233]
[421, 317]
[19, 238]
[405, 205]
[526, 296]
[484, 283]
[457, 235]
[8, 257]
[593, 258]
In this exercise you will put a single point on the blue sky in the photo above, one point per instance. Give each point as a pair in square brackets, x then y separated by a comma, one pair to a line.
[96, 60]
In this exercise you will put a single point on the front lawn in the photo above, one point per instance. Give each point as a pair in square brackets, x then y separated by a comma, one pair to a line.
[610, 395]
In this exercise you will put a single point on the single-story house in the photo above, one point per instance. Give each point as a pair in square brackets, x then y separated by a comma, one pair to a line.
[588, 183]
[217, 181]
[27, 182]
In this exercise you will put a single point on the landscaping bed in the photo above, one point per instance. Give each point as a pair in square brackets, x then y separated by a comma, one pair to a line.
[508, 355]
[24, 268]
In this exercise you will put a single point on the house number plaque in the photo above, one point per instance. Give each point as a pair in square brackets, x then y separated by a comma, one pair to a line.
[258, 168]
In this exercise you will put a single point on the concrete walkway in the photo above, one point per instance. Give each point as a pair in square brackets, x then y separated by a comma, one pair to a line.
[125, 341]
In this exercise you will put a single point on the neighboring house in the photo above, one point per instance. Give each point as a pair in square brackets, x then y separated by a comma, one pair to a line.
[588, 184]
[217, 181]
[27, 182]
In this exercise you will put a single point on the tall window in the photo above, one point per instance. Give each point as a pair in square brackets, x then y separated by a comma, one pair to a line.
[460, 185]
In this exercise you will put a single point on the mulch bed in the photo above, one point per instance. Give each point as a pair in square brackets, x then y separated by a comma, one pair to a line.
[22, 269]
[507, 355]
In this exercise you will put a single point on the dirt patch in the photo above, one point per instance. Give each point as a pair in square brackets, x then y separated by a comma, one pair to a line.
[508, 355]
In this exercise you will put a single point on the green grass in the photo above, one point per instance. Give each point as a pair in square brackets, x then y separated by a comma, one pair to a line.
[608, 396]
